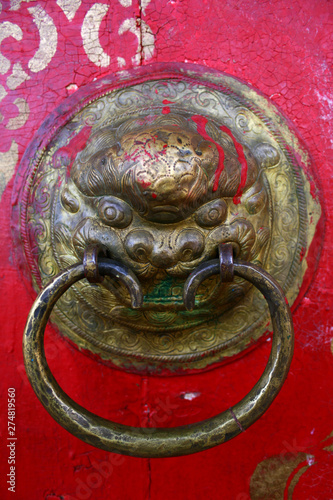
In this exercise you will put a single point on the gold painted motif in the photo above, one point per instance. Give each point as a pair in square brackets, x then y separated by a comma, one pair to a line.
[160, 186]
[276, 478]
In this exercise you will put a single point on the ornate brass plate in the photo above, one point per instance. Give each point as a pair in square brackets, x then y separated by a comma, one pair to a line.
[160, 166]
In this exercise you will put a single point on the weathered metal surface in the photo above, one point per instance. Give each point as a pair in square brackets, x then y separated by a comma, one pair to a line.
[160, 173]
[164, 442]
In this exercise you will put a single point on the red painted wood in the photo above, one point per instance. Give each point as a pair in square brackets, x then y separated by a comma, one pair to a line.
[284, 49]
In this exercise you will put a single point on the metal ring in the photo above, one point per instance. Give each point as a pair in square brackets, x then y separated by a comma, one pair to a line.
[160, 442]
[90, 263]
[226, 257]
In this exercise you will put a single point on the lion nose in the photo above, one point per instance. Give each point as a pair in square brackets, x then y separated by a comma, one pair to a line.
[164, 250]
[166, 186]
[163, 257]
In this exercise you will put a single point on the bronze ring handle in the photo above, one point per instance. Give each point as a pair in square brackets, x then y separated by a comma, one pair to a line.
[162, 442]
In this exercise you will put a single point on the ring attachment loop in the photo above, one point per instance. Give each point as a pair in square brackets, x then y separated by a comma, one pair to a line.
[226, 257]
[90, 263]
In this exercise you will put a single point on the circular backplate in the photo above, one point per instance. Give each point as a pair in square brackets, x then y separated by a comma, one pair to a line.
[159, 166]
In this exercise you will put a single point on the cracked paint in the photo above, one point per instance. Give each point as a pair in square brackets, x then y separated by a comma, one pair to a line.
[48, 38]
[17, 77]
[90, 35]
[8, 29]
[69, 7]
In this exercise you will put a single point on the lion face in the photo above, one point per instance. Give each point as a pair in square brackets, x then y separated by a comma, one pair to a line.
[160, 194]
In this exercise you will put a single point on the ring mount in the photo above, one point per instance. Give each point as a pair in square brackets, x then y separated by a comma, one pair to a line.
[161, 187]
[90, 263]
[226, 258]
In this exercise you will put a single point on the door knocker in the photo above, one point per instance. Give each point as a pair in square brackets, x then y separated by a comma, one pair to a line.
[179, 199]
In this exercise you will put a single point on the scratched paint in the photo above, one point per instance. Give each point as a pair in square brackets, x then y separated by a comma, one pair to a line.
[66, 155]
[201, 122]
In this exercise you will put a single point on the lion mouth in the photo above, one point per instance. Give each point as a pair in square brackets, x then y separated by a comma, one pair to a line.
[165, 208]
[166, 294]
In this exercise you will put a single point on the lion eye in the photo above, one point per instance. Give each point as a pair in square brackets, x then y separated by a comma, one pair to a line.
[115, 212]
[212, 214]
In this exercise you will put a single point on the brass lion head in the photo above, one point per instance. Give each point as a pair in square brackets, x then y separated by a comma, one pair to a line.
[160, 193]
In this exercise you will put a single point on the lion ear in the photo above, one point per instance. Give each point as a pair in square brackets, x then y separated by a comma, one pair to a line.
[91, 175]
[98, 176]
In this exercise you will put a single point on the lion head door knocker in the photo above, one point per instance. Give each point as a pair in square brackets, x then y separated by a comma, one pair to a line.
[173, 199]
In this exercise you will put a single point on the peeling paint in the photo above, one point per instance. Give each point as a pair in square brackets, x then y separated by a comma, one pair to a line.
[48, 38]
[189, 396]
[90, 35]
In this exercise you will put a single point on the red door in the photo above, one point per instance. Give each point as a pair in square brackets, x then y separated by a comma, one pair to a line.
[284, 49]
